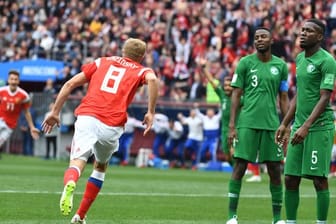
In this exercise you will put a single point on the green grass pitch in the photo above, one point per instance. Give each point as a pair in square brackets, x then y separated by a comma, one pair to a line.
[30, 189]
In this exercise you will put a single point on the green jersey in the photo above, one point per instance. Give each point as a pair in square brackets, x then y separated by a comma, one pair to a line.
[225, 102]
[261, 82]
[211, 96]
[313, 74]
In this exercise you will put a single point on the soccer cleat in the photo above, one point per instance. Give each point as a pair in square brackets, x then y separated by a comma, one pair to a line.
[233, 220]
[254, 178]
[279, 222]
[77, 220]
[67, 197]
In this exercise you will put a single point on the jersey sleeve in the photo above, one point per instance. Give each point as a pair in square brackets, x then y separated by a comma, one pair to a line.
[328, 71]
[26, 100]
[239, 75]
[284, 79]
[284, 75]
[143, 73]
[90, 68]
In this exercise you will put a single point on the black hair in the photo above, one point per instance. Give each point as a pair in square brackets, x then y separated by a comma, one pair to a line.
[262, 28]
[319, 23]
[14, 72]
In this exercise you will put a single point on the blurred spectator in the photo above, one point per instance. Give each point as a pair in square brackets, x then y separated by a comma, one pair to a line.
[126, 139]
[27, 139]
[49, 87]
[195, 136]
[160, 128]
[197, 90]
[174, 142]
[211, 132]
[51, 138]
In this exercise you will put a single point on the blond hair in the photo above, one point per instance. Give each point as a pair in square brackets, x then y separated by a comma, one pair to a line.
[134, 49]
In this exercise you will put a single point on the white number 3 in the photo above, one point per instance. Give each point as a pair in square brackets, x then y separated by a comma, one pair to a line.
[115, 74]
[254, 81]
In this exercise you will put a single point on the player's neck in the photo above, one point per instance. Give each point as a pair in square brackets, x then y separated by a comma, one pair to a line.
[12, 89]
[310, 51]
[264, 56]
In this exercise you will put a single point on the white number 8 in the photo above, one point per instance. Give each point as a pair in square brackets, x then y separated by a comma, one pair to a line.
[115, 74]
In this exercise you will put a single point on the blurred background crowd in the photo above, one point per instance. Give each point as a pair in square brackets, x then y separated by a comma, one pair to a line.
[177, 33]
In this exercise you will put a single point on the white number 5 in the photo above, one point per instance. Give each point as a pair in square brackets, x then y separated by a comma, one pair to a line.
[114, 74]
[314, 157]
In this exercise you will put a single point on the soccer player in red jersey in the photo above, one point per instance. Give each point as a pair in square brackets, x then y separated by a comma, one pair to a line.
[101, 116]
[13, 100]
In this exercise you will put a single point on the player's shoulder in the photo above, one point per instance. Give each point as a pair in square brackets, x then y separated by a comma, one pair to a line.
[325, 55]
[22, 92]
[4, 89]
[278, 59]
[249, 57]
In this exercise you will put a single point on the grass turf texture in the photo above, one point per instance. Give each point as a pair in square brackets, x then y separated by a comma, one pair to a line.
[30, 190]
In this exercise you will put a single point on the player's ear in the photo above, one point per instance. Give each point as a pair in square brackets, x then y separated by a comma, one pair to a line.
[320, 37]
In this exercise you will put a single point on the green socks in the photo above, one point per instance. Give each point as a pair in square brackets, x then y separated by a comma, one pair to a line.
[276, 192]
[322, 204]
[234, 191]
[292, 200]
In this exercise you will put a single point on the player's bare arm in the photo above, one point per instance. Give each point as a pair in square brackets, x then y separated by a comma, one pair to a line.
[319, 108]
[53, 118]
[33, 130]
[203, 63]
[235, 103]
[283, 137]
[153, 92]
[284, 126]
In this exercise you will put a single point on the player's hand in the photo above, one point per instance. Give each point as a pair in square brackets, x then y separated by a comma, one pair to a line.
[299, 135]
[202, 62]
[49, 122]
[35, 133]
[282, 135]
[148, 121]
[232, 137]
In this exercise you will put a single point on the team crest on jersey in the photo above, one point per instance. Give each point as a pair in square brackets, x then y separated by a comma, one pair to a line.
[274, 70]
[310, 68]
[17, 100]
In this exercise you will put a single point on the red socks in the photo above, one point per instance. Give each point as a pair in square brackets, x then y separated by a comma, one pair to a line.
[254, 168]
[92, 189]
[72, 173]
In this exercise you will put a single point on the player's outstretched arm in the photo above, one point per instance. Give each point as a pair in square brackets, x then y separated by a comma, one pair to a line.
[53, 118]
[203, 63]
[153, 92]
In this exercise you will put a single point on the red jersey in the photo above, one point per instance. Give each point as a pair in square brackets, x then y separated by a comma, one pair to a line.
[113, 82]
[11, 105]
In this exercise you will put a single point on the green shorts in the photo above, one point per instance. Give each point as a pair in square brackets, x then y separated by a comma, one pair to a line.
[257, 145]
[224, 142]
[312, 157]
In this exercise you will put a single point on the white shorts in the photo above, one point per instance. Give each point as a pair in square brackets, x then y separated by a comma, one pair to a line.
[94, 137]
[5, 132]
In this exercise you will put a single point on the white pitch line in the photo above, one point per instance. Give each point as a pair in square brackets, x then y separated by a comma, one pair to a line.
[145, 194]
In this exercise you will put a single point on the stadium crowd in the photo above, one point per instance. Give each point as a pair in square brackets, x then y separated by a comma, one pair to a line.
[177, 33]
